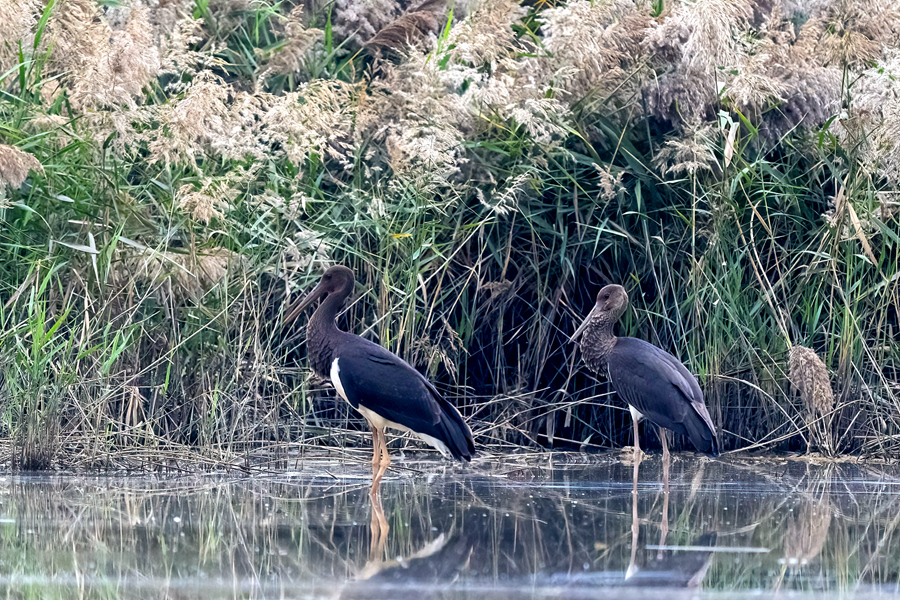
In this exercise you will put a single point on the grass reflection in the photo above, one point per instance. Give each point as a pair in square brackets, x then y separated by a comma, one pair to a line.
[531, 523]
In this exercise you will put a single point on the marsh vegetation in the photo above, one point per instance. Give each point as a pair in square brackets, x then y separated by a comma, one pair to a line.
[173, 171]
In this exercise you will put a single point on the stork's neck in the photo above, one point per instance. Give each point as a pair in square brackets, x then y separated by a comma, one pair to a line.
[598, 341]
[322, 334]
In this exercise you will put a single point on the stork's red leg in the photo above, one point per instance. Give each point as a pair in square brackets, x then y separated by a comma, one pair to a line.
[664, 439]
[380, 467]
[376, 448]
[385, 454]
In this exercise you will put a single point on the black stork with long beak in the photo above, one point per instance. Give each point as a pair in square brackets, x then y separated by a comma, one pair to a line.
[654, 383]
[383, 387]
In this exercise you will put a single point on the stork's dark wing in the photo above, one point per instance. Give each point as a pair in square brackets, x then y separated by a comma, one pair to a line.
[387, 385]
[663, 390]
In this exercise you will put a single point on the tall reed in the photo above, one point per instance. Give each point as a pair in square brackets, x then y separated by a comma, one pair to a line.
[172, 173]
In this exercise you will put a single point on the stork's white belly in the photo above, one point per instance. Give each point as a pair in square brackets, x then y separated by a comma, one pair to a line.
[379, 422]
[336, 379]
[635, 414]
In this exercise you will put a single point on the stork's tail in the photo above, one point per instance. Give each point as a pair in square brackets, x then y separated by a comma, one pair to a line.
[455, 434]
[702, 432]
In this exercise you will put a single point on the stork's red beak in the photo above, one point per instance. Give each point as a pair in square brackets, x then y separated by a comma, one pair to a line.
[303, 303]
[583, 326]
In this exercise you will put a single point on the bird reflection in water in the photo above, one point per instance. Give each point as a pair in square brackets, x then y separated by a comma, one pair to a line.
[635, 520]
[434, 566]
[677, 569]
[378, 531]
[685, 569]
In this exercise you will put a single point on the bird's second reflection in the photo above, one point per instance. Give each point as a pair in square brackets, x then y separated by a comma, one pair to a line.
[434, 565]
[684, 570]
[431, 564]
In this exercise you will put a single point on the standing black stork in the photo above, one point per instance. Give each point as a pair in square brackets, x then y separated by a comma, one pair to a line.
[654, 383]
[383, 387]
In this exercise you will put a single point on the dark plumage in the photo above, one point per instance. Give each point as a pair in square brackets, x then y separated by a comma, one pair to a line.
[383, 387]
[377, 380]
[654, 383]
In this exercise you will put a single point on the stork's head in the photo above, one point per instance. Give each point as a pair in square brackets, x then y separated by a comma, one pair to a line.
[337, 280]
[612, 301]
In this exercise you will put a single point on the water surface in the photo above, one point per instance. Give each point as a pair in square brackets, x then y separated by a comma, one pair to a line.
[545, 526]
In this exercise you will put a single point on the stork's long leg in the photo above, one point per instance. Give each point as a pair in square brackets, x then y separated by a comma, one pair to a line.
[376, 448]
[637, 446]
[378, 468]
[385, 455]
[664, 439]
[382, 464]
[376, 481]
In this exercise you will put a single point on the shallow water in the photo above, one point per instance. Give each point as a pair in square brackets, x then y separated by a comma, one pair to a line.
[550, 526]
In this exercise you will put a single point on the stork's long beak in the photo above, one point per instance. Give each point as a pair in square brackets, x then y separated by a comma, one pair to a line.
[583, 326]
[300, 305]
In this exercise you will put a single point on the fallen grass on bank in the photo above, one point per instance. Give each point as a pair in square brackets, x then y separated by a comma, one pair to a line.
[172, 174]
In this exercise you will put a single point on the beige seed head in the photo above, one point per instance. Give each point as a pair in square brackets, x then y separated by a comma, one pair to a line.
[809, 377]
[15, 166]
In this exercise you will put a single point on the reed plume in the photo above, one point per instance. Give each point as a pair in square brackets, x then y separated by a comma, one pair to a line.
[809, 376]
[15, 165]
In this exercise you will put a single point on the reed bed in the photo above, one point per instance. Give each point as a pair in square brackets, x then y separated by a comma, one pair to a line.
[172, 172]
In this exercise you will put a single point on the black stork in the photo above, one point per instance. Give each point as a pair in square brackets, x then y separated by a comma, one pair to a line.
[383, 387]
[654, 383]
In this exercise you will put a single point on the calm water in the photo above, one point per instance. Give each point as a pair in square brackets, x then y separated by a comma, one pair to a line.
[552, 526]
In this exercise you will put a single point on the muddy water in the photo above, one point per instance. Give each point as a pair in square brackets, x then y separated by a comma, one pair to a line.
[552, 526]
